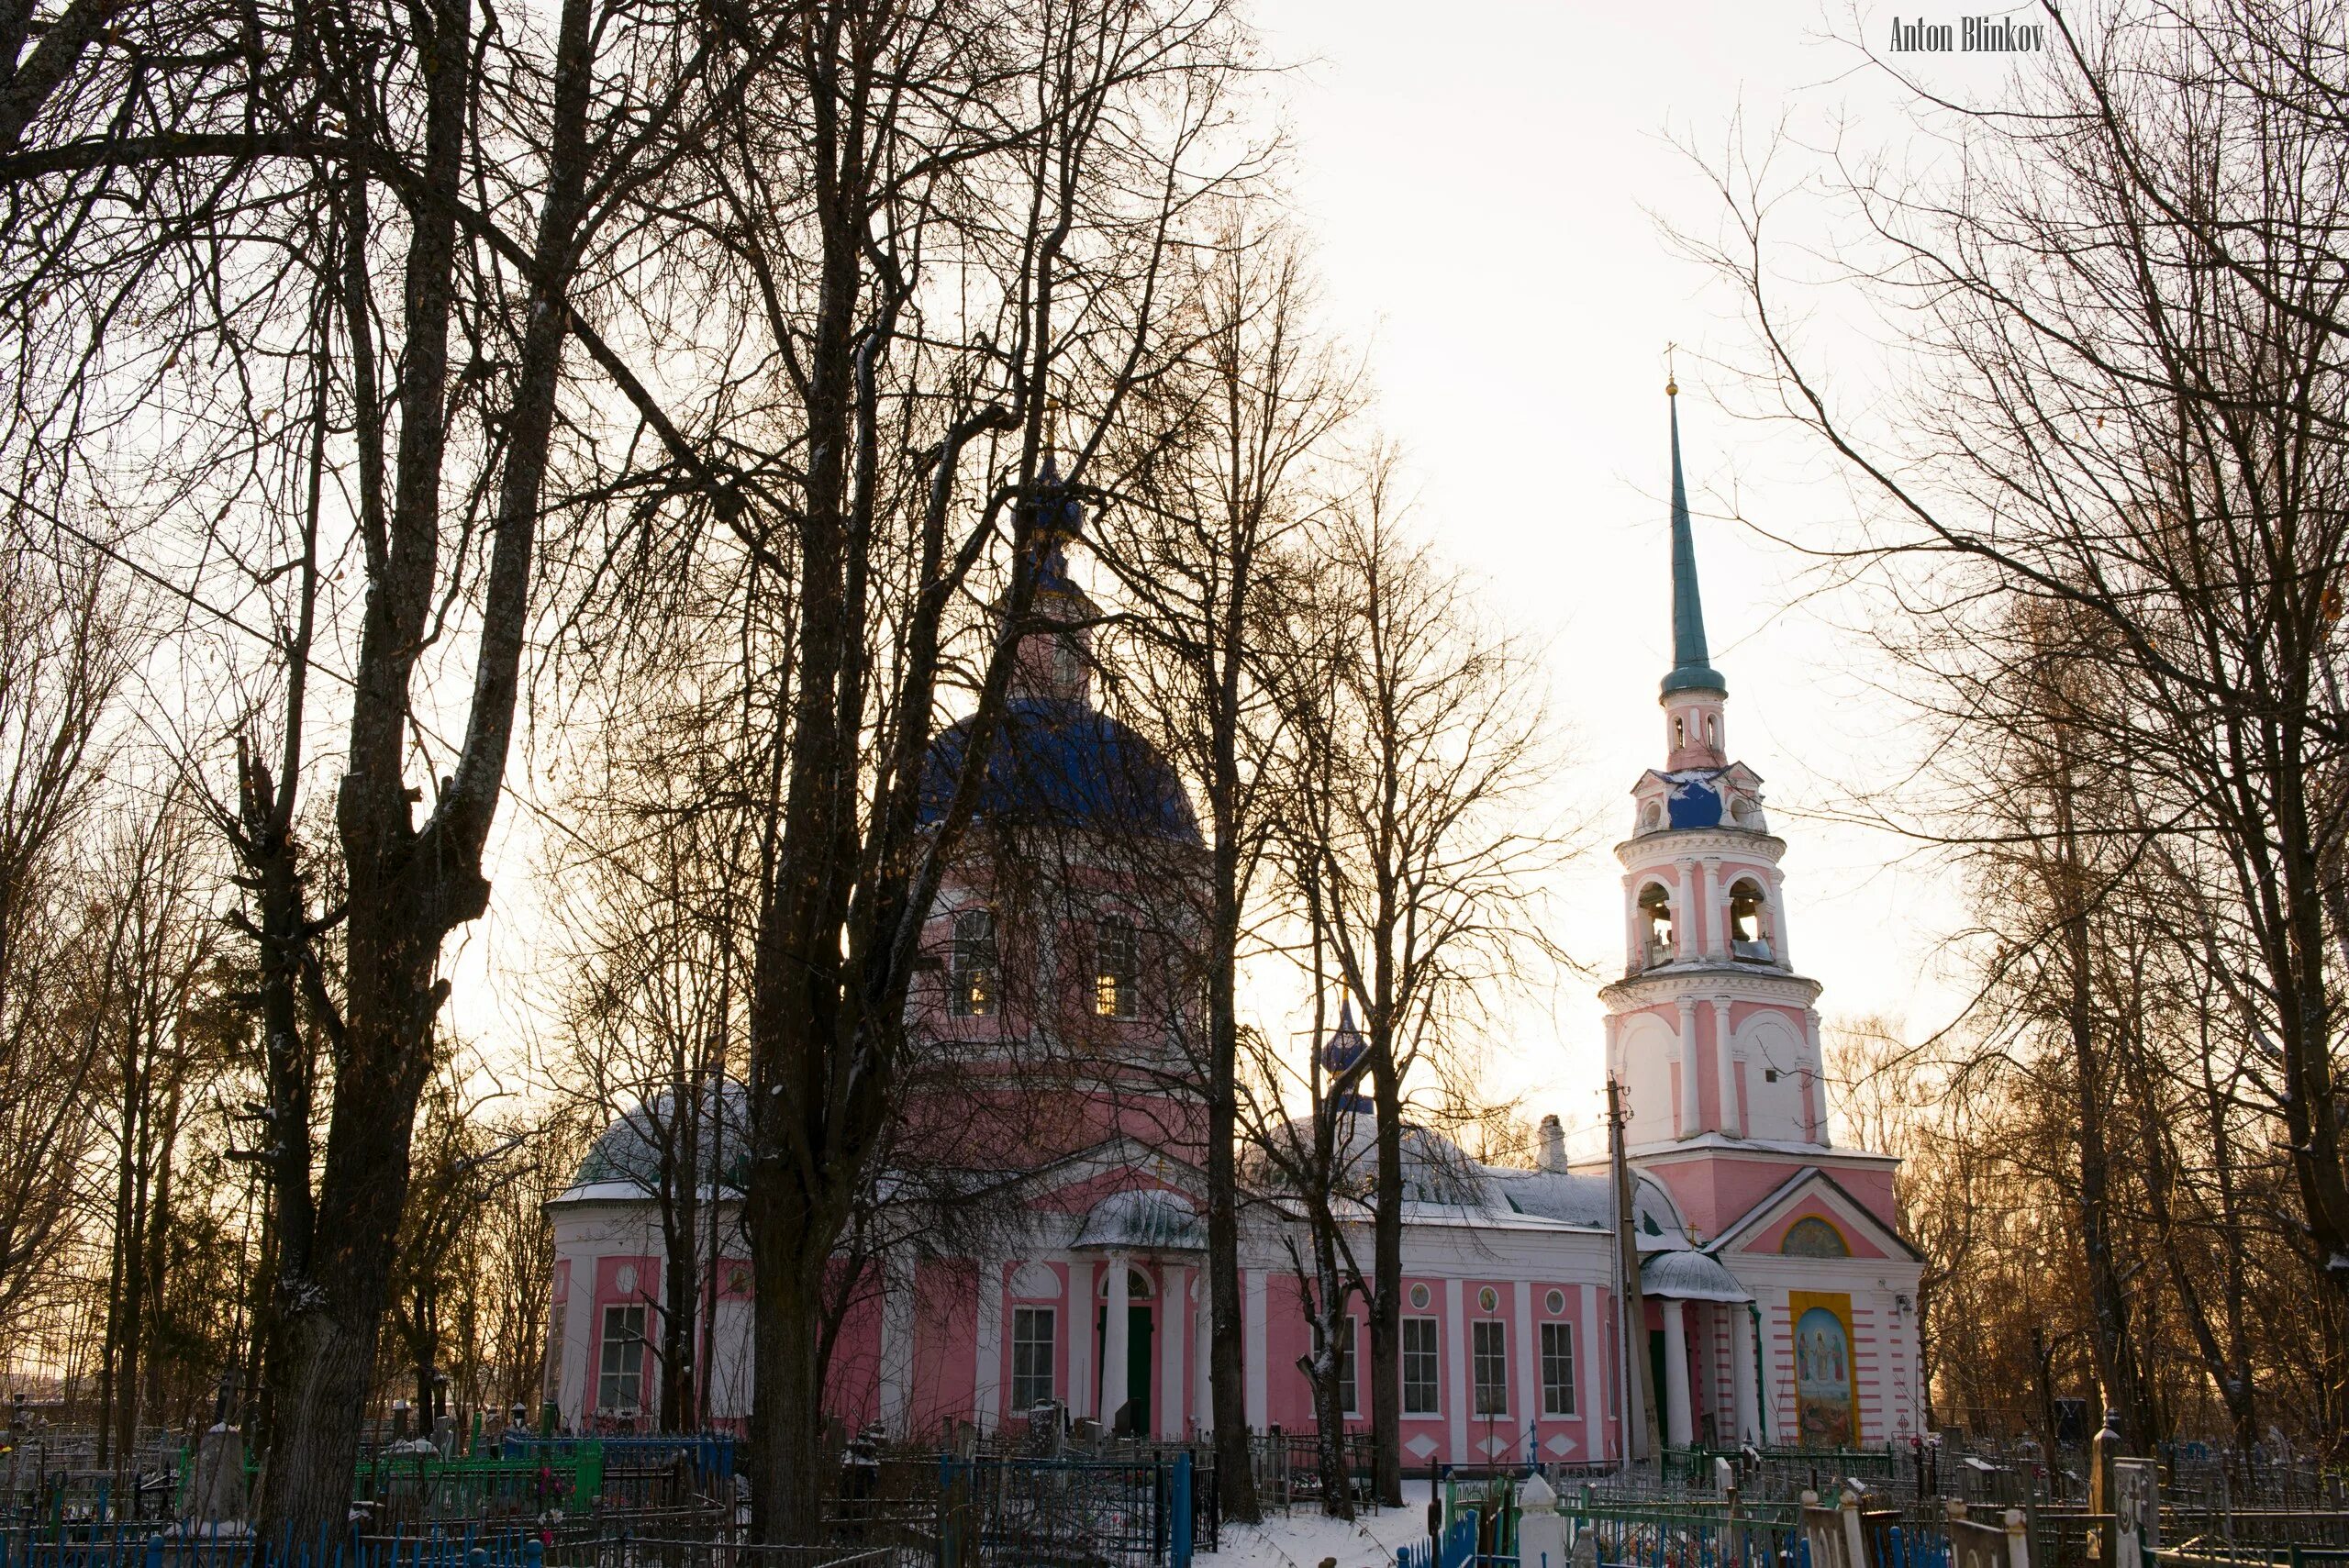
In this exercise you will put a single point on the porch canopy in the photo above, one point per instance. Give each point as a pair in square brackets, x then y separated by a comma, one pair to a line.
[1142, 1219]
[1689, 1277]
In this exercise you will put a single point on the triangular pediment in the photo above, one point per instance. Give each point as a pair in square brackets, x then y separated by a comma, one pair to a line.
[1789, 1221]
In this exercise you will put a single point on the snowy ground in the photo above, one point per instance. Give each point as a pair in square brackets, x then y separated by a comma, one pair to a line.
[1305, 1538]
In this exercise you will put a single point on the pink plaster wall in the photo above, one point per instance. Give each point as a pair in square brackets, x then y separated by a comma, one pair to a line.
[946, 1343]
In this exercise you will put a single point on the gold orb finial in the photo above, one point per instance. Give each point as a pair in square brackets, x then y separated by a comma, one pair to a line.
[1672, 389]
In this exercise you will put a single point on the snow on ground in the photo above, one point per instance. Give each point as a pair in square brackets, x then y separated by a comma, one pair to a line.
[1305, 1538]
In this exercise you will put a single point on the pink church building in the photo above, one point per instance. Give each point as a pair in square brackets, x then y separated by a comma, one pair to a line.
[1778, 1296]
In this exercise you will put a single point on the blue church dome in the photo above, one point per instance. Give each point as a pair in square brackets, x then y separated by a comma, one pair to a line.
[1066, 764]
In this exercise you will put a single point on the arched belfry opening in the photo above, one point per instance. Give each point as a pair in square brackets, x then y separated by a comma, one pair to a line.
[1655, 926]
[1749, 922]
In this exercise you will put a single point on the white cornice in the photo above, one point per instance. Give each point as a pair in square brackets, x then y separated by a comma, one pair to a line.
[1707, 981]
[1826, 1156]
[1633, 853]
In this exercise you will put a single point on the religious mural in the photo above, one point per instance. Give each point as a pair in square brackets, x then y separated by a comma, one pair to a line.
[1824, 1408]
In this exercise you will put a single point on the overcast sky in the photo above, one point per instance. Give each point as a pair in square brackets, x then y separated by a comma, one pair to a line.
[1484, 183]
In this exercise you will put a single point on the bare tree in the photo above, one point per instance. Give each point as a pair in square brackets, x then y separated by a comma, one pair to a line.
[1413, 736]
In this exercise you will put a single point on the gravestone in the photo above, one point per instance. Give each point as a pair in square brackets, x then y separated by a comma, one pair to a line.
[1823, 1534]
[1541, 1533]
[2136, 1512]
[217, 1490]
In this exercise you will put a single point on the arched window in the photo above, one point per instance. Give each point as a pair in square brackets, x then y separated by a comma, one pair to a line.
[1749, 922]
[1712, 732]
[1811, 1237]
[1656, 925]
[1138, 1286]
[1679, 732]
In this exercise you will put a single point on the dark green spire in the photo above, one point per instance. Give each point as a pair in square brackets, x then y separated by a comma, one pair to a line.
[1692, 667]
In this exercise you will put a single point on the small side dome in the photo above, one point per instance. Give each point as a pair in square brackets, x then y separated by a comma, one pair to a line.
[628, 1153]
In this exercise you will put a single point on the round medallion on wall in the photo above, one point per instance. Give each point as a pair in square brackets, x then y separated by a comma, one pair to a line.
[1556, 1302]
[624, 1279]
[1420, 1297]
[1489, 1299]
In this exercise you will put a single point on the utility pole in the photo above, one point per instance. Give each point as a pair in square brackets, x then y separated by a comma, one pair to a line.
[1634, 1312]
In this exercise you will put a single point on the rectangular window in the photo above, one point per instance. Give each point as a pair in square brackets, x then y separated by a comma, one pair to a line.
[551, 1385]
[1346, 1401]
[971, 983]
[1488, 1357]
[1117, 970]
[1419, 1367]
[1032, 1356]
[1557, 1369]
[619, 1387]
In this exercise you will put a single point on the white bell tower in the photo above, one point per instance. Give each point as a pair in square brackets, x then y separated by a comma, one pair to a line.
[1712, 1032]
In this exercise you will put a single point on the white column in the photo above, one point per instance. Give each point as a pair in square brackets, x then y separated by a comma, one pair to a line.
[897, 1340]
[1080, 1336]
[1202, 1353]
[1686, 940]
[1635, 954]
[1252, 1350]
[1455, 1371]
[1690, 1106]
[1170, 1354]
[1716, 912]
[1815, 1070]
[1676, 1373]
[1590, 1366]
[1528, 1353]
[1113, 1339]
[1726, 1069]
[988, 1394]
[1778, 949]
[1740, 1346]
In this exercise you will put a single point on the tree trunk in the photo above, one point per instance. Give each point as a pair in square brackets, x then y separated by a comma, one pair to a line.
[1386, 1279]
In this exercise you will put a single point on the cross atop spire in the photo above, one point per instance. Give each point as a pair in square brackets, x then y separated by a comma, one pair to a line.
[1692, 667]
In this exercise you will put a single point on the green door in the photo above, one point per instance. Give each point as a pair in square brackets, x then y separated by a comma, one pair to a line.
[1138, 1327]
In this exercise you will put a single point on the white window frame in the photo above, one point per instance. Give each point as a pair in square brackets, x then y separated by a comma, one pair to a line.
[1024, 1321]
[1348, 1369]
[1117, 991]
[1433, 1356]
[1558, 1358]
[616, 1368]
[1488, 1351]
[975, 967]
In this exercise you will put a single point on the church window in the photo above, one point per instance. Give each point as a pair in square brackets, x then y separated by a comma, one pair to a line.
[1346, 1399]
[1032, 1356]
[1749, 922]
[1419, 1386]
[1811, 1237]
[1655, 924]
[1489, 1355]
[1679, 732]
[1557, 1369]
[553, 1380]
[619, 1385]
[1712, 731]
[1138, 1286]
[973, 979]
[1117, 970]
